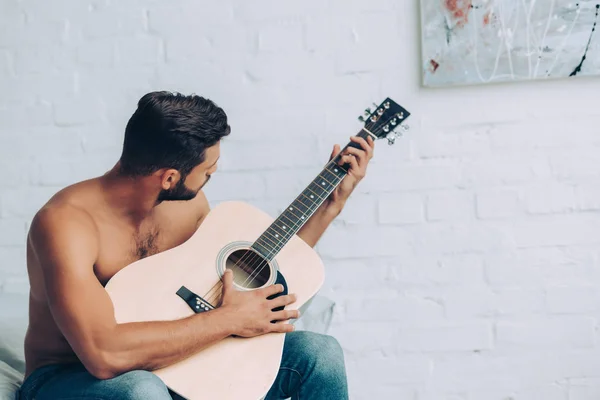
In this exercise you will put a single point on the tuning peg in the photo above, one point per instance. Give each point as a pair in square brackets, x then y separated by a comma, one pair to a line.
[405, 128]
[391, 140]
[367, 112]
[361, 118]
[375, 105]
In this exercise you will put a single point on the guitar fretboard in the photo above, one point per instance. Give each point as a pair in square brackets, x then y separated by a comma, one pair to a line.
[302, 208]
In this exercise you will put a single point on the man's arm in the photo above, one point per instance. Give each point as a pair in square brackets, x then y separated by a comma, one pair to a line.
[65, 244]
[316, 225]
[358, 159]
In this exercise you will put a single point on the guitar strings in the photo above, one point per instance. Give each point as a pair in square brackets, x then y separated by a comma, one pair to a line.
[333, 188]
[255, 260]
[255, 256]
[278, 246]
[282, 243]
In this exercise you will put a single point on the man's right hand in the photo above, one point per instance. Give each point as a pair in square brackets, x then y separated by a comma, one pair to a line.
[251, 313]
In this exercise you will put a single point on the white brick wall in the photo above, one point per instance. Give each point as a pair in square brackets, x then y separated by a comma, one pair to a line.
[467, 264]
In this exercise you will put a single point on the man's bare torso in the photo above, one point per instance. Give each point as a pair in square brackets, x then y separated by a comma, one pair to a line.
[120, 243]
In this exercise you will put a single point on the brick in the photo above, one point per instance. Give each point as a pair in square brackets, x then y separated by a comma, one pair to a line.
[352, 337]
[584, 388]
[281, 38]
[505, 170]
[235, 186]
[6, 63]
[401, 209]
[505, 269]
[11, 119]
[572, 299]
[576, 165]
[410, 178]
[544, 133]
[283, 183]
[138, 51]
[53, 143]
[61, 174]
[112, 20]
[15, 284]
[549, 198]
[255, 156]
[497, 203]
[37, 88]
[368, 35]
[350, 242]
[456, 143]
[391, 371]
[354, 275]
[97, 54]
[24, 202]
[588, 197]
[445, 337]
[546, 333]
[408, 308]
[560, 266]
[482, 302]
[557, 231]
[265, 10]
[450, 206]
[457, 238]
[359, 209]
[12, 232]
[194, 18]
[77, 111]
[13, 261]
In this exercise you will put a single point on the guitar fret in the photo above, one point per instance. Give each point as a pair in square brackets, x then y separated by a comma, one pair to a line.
[289, 222]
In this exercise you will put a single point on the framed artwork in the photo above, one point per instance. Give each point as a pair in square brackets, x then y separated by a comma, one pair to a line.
[467, 42]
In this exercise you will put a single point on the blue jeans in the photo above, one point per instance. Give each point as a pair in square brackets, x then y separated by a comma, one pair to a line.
[312, 367]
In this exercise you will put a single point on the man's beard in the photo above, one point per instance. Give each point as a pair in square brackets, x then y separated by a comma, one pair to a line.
[179, 192]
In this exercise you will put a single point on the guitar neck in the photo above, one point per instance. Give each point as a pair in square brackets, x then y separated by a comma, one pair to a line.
[303, 207]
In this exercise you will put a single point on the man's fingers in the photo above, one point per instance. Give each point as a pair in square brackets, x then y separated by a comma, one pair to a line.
[227, 279]
[284, 315]
[360, 154]
[282, 327]
[367, 146]
[282, 301]
[271, 290]
[350, 159]
[336, 150]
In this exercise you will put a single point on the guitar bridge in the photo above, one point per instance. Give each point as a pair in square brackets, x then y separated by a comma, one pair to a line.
[196, 303]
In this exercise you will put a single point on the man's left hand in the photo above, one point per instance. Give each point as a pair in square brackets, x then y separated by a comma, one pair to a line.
[358, 159]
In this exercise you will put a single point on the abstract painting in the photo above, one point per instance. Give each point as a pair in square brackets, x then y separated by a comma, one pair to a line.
[484, 41]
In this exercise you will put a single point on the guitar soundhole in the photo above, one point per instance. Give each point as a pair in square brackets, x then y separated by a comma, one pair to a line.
[250, 270]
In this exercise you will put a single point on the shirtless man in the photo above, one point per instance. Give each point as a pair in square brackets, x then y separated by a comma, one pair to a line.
[151, 201]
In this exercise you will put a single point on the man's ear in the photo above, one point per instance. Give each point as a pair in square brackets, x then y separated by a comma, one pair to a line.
[168, 178]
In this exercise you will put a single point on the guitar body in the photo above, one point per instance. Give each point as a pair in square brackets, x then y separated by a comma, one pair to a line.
[234, 368]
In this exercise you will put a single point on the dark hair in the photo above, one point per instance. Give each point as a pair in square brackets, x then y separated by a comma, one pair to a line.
[171, 130]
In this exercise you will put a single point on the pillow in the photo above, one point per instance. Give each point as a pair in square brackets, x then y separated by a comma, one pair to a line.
[13, 325]
[316, 315]
[10, 381]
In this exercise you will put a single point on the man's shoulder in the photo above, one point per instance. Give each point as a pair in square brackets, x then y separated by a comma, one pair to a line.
[62, 217]
[69, 205]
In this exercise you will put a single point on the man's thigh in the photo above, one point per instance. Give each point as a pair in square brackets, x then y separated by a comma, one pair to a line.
[74, 382]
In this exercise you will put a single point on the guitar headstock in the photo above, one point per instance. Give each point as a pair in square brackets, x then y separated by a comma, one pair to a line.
[385, 119]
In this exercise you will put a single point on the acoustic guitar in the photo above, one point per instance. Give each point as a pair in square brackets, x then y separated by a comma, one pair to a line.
[260, 251]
